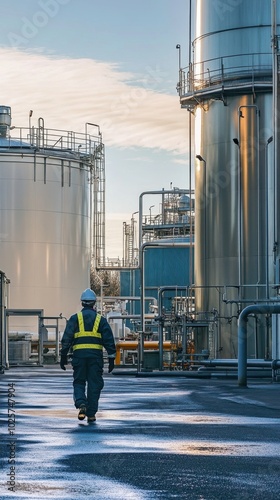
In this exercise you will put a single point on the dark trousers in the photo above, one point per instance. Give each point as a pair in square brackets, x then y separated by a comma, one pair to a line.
[87, 382]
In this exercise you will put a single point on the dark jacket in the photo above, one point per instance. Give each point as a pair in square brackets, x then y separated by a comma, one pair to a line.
[72, 327]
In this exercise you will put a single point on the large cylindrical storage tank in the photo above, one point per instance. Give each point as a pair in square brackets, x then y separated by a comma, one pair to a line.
[45, 221]
[230, 92]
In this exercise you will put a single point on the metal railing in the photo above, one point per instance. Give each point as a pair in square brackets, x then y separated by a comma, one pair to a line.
[63, 140]
[224, 70]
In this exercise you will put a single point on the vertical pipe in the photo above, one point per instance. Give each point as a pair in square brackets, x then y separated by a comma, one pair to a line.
[203, 207]
[184, 337]
[62, 173]
[257, 148]
[142, 247]
[57, 341]
[240, 192]
[160, 331]
[242, 348]
[160, 306]
[91, 243]
[140, 356]
[190, 31]
[239, 225]
[45, 170]
[267, 219]
[142, 294]
[6, 342]
[2, 325]
[40, 341]
[190, 154]
[242, 335]
[274, 42]
[30, 115]
[239, 208]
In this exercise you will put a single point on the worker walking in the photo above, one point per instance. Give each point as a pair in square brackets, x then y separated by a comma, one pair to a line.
[87, 332]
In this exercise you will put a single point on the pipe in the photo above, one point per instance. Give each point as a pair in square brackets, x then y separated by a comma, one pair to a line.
[247, 301]
[267, 217]
[244, 301]
[232, 373]
[130, 316]
[275, 113]
[251, 363]
[239, 205]
[240, 193]
[133, 345]
[160, 293]
[190, 149]
[204, 207]
[166, 373]
[150, 244]
[275, 365]
[144, 193]
[125, 317]
[2, 323]
[128, 298]
[242, 335]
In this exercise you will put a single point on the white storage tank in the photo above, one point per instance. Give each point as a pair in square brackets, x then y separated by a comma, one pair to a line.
[45, 216]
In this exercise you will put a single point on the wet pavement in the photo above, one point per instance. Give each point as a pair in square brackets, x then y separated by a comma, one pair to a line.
[155, 438]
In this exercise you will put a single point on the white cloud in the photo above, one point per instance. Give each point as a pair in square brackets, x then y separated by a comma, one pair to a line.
[181, 161]
[67, 93]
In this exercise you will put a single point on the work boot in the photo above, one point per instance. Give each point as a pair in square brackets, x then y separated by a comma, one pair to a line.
[82, 412]
[91, 419]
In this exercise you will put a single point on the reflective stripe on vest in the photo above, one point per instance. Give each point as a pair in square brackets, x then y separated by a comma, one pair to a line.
[83, 333]
[87, 346]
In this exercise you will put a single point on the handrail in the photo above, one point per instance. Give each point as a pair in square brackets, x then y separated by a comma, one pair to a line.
[62, 140]
[220, 70]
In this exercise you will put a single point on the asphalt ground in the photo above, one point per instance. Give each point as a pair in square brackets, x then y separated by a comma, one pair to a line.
[154, 438]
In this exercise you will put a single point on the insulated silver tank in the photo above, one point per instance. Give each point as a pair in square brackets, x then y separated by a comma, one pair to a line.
[228, 86]
[45, 217]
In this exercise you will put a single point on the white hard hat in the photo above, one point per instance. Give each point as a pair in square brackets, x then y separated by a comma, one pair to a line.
[88, 296]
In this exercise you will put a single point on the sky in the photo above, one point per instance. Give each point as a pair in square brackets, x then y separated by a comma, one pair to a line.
[110, 62]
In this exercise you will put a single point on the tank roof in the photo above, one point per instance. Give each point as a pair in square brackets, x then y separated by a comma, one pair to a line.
[13, 143]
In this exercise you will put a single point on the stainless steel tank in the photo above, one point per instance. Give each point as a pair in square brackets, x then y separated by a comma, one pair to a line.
[229, 88]
[45, 218]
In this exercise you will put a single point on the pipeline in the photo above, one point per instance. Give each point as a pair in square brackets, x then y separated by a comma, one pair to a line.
[194, 374]
[167, 373]
[134, 345]
[242, 336]
[231, 372]
[253, 363]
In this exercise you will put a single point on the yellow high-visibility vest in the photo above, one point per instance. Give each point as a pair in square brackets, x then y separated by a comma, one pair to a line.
[92, 337]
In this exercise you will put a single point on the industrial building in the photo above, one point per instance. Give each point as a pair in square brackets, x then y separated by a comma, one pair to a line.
[161, 278]
[202, 283]
[52, 193]
[231, 90]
